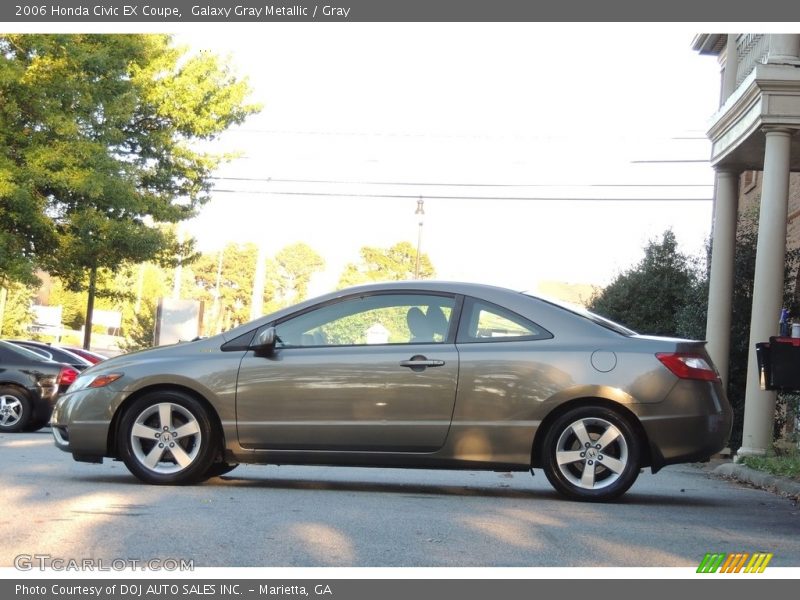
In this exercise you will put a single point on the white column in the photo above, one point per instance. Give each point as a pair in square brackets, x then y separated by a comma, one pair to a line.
[759, 410]
[784, 49]
[731, 67]
[720, 289]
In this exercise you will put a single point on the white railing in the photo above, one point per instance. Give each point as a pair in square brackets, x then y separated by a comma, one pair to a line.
[751, 49]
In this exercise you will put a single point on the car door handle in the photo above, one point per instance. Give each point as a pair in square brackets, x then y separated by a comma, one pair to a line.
[421, 362]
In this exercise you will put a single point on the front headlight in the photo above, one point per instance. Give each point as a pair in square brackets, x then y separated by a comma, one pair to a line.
[93, 381]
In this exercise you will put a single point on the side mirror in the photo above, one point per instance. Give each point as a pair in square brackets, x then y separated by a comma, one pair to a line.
[265, 340]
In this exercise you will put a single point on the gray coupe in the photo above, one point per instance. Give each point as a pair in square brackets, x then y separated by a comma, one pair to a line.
[412, 374]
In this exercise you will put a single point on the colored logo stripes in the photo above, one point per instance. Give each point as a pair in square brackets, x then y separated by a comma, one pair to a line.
[734, 563]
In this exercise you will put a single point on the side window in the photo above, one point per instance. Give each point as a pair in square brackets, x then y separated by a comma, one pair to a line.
[375, 319]
[486, 322]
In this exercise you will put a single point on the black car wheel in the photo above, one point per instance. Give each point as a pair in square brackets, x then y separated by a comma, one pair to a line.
[37, 423]
[15, 409]
[167, 438]
[591, 453]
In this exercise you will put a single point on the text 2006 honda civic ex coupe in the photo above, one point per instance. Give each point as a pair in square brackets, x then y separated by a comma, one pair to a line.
[413, 374]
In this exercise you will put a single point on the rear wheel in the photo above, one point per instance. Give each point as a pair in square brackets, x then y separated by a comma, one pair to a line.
[591, 453]
[167, 438]
[15, 409]
[37, 423]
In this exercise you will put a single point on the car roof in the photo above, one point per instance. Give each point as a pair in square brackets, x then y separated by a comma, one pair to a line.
[491, 293]
[50, 348]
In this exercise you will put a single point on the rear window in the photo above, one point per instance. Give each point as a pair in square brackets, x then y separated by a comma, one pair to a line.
[21, 351]
[586, 314]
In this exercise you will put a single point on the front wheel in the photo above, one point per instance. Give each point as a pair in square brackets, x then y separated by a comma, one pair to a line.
[167, 438]
[591, 454]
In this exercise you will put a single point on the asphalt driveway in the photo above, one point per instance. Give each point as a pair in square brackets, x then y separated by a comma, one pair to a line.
[322, 516]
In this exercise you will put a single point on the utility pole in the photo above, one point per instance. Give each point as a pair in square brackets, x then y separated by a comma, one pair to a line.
[259, 282]
[421, 212]
[216, 308]
[259, 277]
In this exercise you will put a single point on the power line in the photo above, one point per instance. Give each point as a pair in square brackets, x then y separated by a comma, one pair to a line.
[478, 135]
[440, 184]
[435, 197]
[677, 160]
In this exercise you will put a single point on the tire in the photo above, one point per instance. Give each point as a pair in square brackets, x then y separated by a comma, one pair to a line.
[167, 438]
[15, 409]
[220, 468]
[591, 454]
[37, 423]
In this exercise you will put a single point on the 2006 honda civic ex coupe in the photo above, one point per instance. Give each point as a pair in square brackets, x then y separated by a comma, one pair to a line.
[411, 374]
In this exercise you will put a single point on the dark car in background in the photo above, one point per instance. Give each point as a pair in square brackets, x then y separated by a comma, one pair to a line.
[414, 374]
[29, 387]
[55, 353]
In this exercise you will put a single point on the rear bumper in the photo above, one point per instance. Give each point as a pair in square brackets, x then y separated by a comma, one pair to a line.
[691, 425]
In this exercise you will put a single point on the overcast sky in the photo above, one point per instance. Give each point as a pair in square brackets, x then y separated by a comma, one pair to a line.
[357, 114]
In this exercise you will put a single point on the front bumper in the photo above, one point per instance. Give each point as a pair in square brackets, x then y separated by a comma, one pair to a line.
[81, 422]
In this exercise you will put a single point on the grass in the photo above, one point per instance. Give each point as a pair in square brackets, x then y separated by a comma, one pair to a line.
[787, 465]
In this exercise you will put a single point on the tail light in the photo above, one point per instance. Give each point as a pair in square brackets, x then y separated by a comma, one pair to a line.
[67, 376]
[688, 366]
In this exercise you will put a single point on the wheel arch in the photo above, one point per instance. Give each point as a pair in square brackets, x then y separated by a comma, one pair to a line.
[113, 430]
[620, 409]
[17, 385]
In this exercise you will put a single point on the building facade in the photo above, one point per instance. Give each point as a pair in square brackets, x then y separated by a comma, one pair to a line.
[755, 150]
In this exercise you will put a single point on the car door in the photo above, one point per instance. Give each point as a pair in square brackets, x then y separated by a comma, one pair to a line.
[374, 372]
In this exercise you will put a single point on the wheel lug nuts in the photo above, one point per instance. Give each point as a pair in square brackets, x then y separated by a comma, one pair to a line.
[587, 444]
[591, 462]
[600, 457]
[161, 445]
[172, 445]
[166, 428]
[583, 454]
[158, 435]
[597, 446]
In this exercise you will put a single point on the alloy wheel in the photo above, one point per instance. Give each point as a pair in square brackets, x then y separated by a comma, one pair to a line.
[10, 411]
[166, 438]
[592, 453]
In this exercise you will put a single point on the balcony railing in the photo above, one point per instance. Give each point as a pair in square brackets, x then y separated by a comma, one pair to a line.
[751, 49]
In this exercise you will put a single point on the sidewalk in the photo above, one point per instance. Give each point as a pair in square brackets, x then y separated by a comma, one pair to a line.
[761, 479]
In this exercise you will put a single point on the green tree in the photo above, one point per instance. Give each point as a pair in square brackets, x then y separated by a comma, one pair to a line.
[650, 296]
[73, 305]
[224, 282]
[396, 263]
[15, 310]
[290, 272]
[101, 136]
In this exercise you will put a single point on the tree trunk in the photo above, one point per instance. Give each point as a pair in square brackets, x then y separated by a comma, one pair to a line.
[87, 328]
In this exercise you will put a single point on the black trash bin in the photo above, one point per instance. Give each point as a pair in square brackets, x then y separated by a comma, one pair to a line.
[779, 364]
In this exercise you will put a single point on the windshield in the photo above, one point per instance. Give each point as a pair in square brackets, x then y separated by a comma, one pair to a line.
[586, 314]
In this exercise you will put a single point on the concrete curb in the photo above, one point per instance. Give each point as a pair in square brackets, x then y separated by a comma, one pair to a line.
[761, 479]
